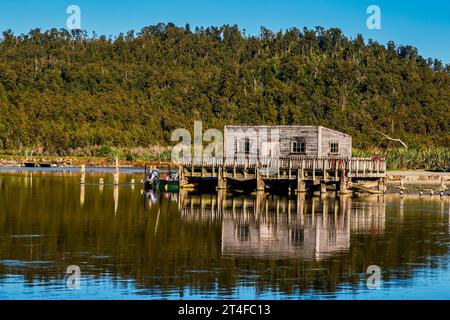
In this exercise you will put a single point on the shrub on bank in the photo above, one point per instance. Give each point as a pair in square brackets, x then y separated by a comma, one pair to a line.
[436, 158]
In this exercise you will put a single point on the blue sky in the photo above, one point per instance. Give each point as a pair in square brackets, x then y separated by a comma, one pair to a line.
[423, 24]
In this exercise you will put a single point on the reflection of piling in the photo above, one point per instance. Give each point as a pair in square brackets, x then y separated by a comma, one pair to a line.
[259, 201]
[221, 200]
[181, 197]
[116, 178]
[116, 198]
[300, 206]
[29, 179]
[324, 201]
[401, 209]
[101, 183]
[82, 194]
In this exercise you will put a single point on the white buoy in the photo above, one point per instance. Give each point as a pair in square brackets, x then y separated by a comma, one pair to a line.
[101, 181]
[132, 181]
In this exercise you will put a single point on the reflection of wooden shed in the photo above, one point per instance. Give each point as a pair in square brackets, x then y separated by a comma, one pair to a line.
[308, 242]
[273, 141]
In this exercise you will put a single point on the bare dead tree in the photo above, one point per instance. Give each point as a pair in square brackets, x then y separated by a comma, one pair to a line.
[392, 139]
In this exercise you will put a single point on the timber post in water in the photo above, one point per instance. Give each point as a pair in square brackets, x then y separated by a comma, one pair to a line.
[304, 158]
[221, 179]
[117, 172]
[83, 174]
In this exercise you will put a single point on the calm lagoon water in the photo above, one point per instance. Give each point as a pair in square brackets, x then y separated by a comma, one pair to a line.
[132, 245]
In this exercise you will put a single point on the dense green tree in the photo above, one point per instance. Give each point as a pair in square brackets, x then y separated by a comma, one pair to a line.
[62, 90]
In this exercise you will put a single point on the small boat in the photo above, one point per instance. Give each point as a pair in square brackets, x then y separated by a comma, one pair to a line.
[169, 186]
[30, 164]
[152, 181]
[45, 165]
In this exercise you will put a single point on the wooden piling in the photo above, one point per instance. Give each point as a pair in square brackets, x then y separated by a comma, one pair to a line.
[117, 173]
[259, 180]
[221, 182]
[183, 181]
[83, 174]
[343, 187]
[314, 170]
[382, 185]
[323, 187]
[301, 184]
[245, 170]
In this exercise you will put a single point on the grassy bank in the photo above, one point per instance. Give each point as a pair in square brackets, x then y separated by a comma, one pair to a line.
[437, 158]
[93, 156]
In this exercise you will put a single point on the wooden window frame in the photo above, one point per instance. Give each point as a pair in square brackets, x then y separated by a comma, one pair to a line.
[244, 144]
[301, 142]
[337, 147]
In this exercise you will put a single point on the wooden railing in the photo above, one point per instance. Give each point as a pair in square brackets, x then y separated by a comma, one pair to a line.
[362, 165]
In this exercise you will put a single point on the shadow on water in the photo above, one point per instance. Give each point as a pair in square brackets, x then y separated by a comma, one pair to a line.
[215, 245]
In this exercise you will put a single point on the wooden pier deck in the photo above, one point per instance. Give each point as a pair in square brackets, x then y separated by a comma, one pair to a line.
[300, 172]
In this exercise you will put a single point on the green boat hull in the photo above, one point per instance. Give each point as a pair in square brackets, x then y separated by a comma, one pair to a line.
[169, 186]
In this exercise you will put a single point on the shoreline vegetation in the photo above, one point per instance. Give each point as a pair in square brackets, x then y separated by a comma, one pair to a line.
[410, 171]
[431, 159]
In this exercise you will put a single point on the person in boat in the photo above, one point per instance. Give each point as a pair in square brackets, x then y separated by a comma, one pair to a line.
[152, 178]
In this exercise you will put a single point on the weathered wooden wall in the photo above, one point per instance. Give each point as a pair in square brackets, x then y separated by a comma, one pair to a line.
[326, 136]
[276, 140]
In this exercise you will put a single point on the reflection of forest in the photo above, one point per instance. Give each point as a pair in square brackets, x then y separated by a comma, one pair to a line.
[211, 243]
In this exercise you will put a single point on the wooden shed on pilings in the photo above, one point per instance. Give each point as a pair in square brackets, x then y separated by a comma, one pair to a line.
[295, 158]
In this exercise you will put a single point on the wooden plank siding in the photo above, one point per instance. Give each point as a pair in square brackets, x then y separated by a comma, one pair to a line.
[274, 141]
[327, 136]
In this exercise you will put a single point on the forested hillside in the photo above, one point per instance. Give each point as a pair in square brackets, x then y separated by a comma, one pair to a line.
[60, 90]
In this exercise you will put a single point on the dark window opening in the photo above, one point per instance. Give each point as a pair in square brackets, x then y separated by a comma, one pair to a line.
[334, 147]
[244, 146]
[298, 147]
